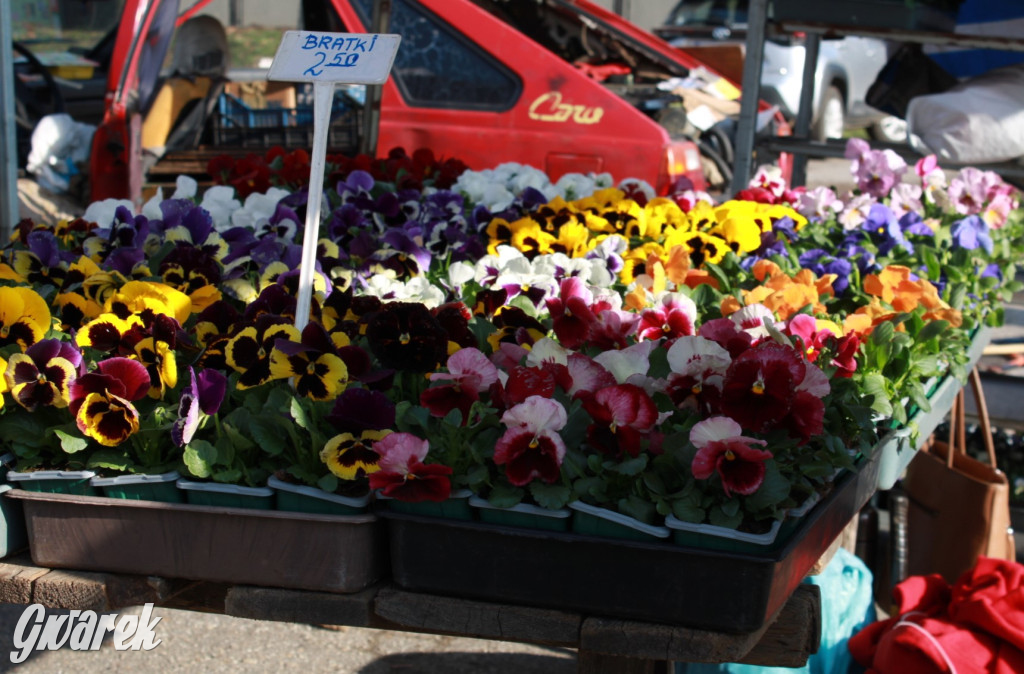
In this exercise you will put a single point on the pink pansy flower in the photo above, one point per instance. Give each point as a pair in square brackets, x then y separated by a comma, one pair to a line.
[728, 334]
[572, 313]
[531, 448]
[769, 178]
[587, 375]
[403, 475]
[623, 414]
[469, 372]
[753, 319]
[878, 171]
[673, 315]
[612, 328]
[722, 449]
[811, 337]
[698, 367]
[818, 203]
[906, 198]
[856, 211]
[634, 360]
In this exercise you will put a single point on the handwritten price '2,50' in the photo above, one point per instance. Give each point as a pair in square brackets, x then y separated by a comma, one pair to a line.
[339, 61]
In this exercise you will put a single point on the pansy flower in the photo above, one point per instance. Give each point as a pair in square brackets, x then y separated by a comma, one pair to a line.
[403, 475]
[360, 409]
[469, 373]
[698, 367]
[673, 315]
[24, 316]
[623, 415]
[312, 364]
[531, 447]
[101, 401]
[760, 386]
[351, 456]
[203, 394]
[42, 375]
[406, 336]
[249, 350]
[722, 449]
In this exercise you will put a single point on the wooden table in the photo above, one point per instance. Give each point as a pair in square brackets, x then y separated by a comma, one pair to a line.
[605, 644]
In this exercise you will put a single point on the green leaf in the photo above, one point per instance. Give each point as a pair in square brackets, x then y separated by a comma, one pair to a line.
[300, 415]
[550, 496]
[720, 518]
[772, 491]
[71, 443]
[874, 386]
[688, 512]
[200, 457]
[731, 507]
[328, 483]
[932, 329]
[633, 466]
[269, 433]
[110, 459]
[227, 476]
[505, 496]
[883, 333]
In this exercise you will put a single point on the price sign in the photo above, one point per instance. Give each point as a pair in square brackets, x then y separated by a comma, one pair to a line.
[309, 56]
[326, 59]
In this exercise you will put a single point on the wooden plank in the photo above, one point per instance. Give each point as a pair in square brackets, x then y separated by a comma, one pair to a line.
[16, 578]
[300, 606]
[483, 620]
[794, 635]
[71, 590]
[787, 641]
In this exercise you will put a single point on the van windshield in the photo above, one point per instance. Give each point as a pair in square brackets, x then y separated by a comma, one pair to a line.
[63, 25]
[709, 13]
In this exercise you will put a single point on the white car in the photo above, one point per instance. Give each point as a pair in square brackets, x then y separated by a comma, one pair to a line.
[846, 67]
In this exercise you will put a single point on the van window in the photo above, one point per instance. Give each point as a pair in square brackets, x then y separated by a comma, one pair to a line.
[437, 67]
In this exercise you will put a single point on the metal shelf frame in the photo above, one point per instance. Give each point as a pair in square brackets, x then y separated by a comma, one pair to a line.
[799, 144]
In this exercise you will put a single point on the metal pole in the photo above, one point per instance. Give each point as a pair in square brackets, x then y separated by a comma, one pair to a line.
[371, 113]
[751, 87]
[802, 126]
[8, 139]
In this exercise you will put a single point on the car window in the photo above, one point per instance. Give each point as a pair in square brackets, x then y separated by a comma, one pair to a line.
[437, 67]
[709, 12]
[63, 25]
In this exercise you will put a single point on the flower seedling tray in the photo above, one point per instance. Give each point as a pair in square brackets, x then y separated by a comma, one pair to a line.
[650, 581]
[234, 545]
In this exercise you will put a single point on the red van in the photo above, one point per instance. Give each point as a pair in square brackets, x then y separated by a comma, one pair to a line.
[563, 85]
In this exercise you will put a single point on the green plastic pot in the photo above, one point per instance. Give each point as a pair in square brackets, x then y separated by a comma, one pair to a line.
[299, 498]
[595, 521]
[142, 487]
[455, 507]
[227, 495]
[55, 481]
[522, 515]
[710, 537]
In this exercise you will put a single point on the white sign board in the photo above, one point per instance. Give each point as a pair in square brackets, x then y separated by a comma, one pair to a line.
[326, 59]
[309, 56]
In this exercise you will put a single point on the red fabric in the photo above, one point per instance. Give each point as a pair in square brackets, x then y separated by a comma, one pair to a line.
[976, 625]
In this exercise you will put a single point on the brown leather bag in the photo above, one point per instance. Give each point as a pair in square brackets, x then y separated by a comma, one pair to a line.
[959, 507]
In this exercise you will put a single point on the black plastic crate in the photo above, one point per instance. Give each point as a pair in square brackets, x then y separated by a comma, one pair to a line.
[237, 125]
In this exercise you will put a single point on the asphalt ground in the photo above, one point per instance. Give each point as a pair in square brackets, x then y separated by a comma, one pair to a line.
[201, 642]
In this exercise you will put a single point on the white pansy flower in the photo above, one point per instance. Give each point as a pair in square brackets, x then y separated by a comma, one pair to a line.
[102, 212]
[185, 187]
[258, 208]
[220, 202]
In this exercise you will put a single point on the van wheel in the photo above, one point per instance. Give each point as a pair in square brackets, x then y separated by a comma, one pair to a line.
[889, 130]
[831, 117]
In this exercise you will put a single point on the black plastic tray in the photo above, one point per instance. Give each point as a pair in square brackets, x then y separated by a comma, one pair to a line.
[653, 582]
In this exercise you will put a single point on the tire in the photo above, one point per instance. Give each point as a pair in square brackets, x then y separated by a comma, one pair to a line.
[831, 116]
[889, 130]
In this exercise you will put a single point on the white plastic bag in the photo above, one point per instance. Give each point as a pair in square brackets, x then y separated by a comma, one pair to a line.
[60, 145]
[980, 120]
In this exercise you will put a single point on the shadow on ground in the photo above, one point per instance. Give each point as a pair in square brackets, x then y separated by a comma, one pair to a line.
[471, 663]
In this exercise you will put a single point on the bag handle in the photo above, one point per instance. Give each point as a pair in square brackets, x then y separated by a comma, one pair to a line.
[957, 425]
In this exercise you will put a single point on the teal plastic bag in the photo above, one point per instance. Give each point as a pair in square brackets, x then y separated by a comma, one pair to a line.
[847, 605]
